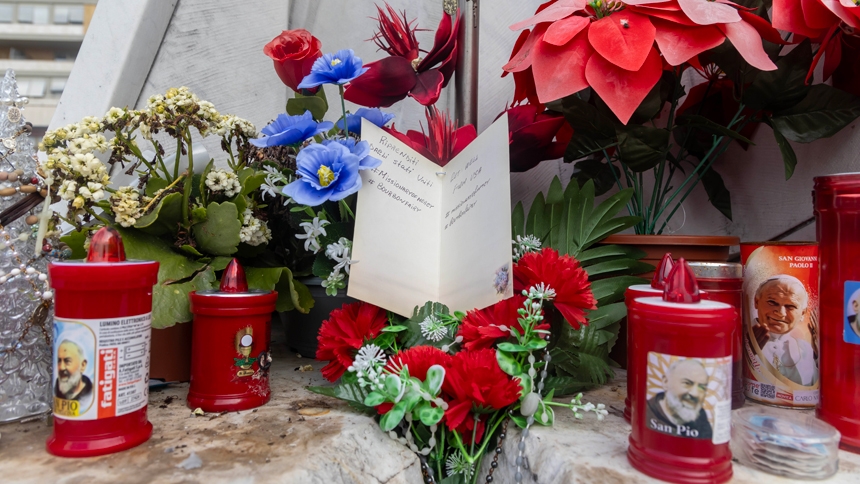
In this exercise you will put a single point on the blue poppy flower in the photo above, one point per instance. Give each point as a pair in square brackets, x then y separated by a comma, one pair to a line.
[327, 172]
[289, 130]
[337, 68]
[360, 149]
[374, 115]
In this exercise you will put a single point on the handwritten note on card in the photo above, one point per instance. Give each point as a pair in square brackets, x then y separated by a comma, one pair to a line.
[427, 233]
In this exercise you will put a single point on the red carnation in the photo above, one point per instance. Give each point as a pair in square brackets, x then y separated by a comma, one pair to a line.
[294, 53]
[476, 385]
[482, 328]
[405, 73]
[564, 275]
[418, 359]
[344, 332]
[444, 139]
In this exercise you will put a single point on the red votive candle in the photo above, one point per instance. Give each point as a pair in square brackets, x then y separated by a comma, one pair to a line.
[230, 340]
[682, 357]
[837, 212]
[724, 282]
[102, 332]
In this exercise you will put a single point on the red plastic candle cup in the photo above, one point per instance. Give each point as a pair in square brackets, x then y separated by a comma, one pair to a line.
[682, 355]
[837, 213]
[102, 332]
[724, 282]
[230, 340]
[654, 289]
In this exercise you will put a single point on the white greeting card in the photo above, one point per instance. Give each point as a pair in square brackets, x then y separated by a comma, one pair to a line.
[428, 233]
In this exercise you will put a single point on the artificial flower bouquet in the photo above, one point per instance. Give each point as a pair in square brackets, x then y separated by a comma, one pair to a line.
[192, 221]
[445, 384]
[664, 86]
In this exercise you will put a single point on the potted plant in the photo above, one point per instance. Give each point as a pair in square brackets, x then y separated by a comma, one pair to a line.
[191, 219]
[619, 72]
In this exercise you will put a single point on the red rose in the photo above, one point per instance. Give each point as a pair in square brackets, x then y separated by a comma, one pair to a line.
[294, 53]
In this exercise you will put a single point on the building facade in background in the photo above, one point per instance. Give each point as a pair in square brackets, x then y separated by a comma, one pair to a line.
[39, 40]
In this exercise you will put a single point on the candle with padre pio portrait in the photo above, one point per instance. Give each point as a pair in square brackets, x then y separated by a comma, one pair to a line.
[837, 212]
[780, 329]
[655, 289]
[102, 331]
[723, 281]
[230, 339]
[682, 355]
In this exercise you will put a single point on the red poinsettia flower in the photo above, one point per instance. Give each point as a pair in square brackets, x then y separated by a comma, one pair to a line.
[418, 359]
[564, 275]
[405, 73]
[475, 384]
[444, 139]
[535, 136]
[482, 328]
[618, 48]
[824, 22]
[344, 332]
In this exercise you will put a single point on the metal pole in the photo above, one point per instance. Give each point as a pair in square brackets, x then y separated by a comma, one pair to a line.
[466, 76]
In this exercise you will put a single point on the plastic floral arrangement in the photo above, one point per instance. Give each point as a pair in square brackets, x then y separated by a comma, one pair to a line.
[655, 91]
[313, 165]
[191, 220]
[446, 384]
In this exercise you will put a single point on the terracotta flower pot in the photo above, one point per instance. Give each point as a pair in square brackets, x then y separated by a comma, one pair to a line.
[699, 248]
[171, 353]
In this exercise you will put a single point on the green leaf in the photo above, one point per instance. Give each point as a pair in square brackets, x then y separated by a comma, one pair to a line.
[348, 392]
[435, 376]
[190, 250]
[555, 195]
[789, 158]
[606, 315]
[565, 385]
[155, 184]
[511, 348]
[642, 147]
[822, 113]
[507, 363]
[611, 289]
[373, 399]
[518, 221]
[298, 105]
[394, 329]
[595, 170]
[602, 220]
[602, 252]
[718, 194]
[705, 124]
[587, 119]
[165, 217]
[170, 301]
[618, 266]
[611, 226]
[201, 184]
[430, 415]
[220, 263]
[292, 294]
[535, 344]
[253, 182]
[535, 224]
[198, 214]
[75, 240]
[264, 278]
[583, 145]
[392, 418]
[323, 266]
[413, 335]
[784, 87]
[219, 234]
[525, 384]
[545, 415]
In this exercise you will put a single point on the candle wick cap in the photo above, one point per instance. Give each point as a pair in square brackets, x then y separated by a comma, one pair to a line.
[662, 272]
[106, 246]
[681, 285]
[233, 280]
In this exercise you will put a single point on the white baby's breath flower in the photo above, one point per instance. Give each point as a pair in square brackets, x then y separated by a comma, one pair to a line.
[339, 252]
[254, 231]
[541, 291]
[223, 181]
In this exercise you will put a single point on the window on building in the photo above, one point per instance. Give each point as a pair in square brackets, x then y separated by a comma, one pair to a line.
[57, 85]
[34, 14]
[76, 14]
[7, 13]
[69, 14]
[32, 86]
[61, 14]
[16, 53]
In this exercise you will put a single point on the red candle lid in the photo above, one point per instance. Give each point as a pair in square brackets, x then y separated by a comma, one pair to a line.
[106, 246]
[662, 272]
[233, 280]
[680, 284]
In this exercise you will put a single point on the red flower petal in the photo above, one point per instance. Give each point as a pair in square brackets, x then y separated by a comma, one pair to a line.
[676, 16]
[661, 4]
[344, 332]
[387, 79]
[560, 71]
[832, 54]
[746, 40]
[561, 32]
[524, 57]
[842, 11]
[788, 15]
[816, 15]
[462, 137]
[564, 275]
[428, 87]
[623, 38]
[524, 88]
[623, 90]
[443, 44]
[763, 27]
[556, 11]
[705, 12]
[679, 43]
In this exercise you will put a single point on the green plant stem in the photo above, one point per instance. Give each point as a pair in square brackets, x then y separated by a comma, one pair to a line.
[176, 159]
[136, 151]
[97, 216]
[160, 160]
[440, 451]
[343, 107]
[617, 180]
[348, 210]
[186, 192]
